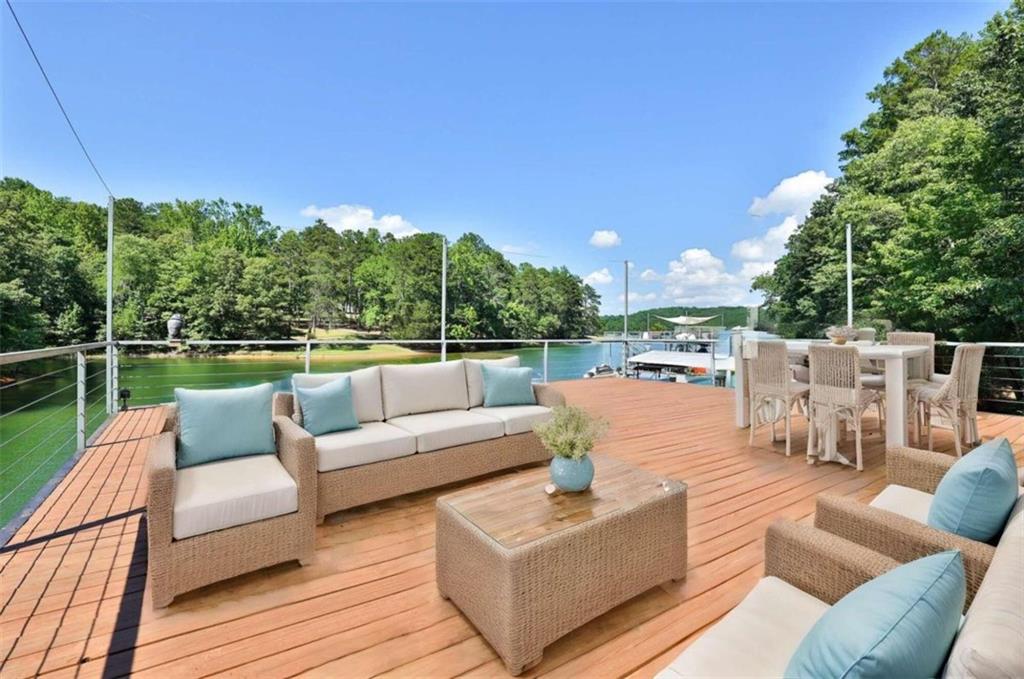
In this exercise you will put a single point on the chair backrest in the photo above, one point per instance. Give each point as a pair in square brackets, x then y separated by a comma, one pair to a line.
[769, 368]
[989, 642]
[835, 374]
[926, 339]
[866, 334]
[964, 375]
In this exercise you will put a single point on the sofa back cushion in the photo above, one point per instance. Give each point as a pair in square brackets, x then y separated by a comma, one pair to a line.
[989, 643]
[900, 624]
[475, 379]
[975, 496]
[423, 388]
[366, 391]
[218, 424]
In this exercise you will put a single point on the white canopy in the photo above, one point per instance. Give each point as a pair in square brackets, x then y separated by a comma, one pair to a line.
[688, 320]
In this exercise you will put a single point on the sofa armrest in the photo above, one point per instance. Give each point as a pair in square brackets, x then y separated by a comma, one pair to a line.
[170, 417]
[914, 468]
[296, 449]
[825, 566]
[284, 403]
[548, 396]
[160, 474]
[899, 537]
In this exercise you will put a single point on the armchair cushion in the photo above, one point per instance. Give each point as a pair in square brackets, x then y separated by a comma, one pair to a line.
[976, 495]
[909, 502]
[423, 388]
[475, 378]
[366, 391]
[218, 424]
[328, 407]
[517, 419]
[372, 442]
[901, 624]
[507, 386]
[755, 639]
[228, 493]
[449, 428]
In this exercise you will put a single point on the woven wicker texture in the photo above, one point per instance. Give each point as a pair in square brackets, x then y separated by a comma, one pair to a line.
[822, 564]
[523, 598]
[956, 397]
[178, 566]
[836, 394]
[899, 537]
[920, 370]
[773, 392]
[914, 468]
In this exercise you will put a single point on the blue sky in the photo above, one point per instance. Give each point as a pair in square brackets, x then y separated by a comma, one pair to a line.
[697, 133]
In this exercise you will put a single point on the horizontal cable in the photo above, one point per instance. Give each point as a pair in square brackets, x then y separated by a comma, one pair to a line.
[40, 466]
[226, 373]
[34, 448]
[37, 377]
[227, 361]
[43, 398]
[38, 422]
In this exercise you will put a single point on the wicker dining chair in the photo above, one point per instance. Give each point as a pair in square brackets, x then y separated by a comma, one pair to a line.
[772, 386]
[836, 395]
[918, 371]
[956, 397]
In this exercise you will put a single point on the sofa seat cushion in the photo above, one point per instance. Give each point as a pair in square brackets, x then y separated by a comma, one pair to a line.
[228, 493]
[372, 442]
[517, 419]
[448, 428]
[366, 392]
[475, 378]
[423, 388]
[755, 639]
[909, 502]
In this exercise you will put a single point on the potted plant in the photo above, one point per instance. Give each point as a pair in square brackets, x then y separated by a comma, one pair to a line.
[570, 436]
[841, 334]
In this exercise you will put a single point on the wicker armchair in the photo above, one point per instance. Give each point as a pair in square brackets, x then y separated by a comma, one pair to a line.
[894, 523]
[836, 395]
[772, 387]
[181, 565]
[956, 397]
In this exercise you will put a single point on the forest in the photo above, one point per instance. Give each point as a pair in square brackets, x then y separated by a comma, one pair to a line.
[233, 275]
[933, 185]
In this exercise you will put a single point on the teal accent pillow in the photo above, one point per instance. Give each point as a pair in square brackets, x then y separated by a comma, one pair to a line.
[901, 624]
[976, 495]
[218, 424]
[328, 407]
[507, 386]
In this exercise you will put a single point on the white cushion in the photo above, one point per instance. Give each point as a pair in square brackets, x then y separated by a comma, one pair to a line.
[449, 428]
[909, 502]
[228, 493]
[423, 388]
[475, 377]
[372, 442]
[755, 639]
[873, 381]
[366, 391]
[517, 419]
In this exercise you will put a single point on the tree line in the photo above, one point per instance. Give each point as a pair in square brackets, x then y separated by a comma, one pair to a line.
[234, 275]
[933, 184]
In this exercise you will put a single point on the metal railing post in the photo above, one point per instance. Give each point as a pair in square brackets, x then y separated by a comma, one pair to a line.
[80, 402]
[115, 377]
[545, 363]
[308, 349]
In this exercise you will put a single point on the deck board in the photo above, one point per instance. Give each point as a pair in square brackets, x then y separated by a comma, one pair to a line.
[73, 586]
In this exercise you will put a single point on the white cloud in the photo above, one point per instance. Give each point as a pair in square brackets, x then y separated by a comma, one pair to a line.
[347, 217]
[527, 249]
[751, 270]
[605, 238]
[650, 275]
[599, 277]
[792, 196]
[639, 297]
[768, 247]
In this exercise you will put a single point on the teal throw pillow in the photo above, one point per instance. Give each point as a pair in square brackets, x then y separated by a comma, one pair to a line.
[507, 386]
[976, 495]
[328, 407]
[218, 424]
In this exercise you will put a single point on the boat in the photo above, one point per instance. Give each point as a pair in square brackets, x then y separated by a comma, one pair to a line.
[603, 370]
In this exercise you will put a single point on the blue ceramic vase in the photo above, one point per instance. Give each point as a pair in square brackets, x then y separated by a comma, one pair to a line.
[572, 475]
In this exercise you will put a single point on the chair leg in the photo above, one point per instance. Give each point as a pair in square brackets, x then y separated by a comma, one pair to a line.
[811, 432]
[773, 430]
[881, 417]
[789, 415]
[928, 426]
[753, 421]
[860, 451]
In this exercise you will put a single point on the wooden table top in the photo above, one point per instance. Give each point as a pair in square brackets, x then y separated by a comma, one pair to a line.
[517, 510]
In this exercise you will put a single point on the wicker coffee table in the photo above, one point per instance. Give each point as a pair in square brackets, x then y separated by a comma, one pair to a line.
[527, 568]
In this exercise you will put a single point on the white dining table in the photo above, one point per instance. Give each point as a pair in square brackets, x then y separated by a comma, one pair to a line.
[896, 358]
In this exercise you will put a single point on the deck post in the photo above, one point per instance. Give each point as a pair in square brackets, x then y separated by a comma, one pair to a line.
[111, 401]
[307, 356]
[740, 382]
[80, 402]
[115, 376]
[545, 363]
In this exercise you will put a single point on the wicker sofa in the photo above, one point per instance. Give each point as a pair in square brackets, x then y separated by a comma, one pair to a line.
[421, 426]
[214, 521]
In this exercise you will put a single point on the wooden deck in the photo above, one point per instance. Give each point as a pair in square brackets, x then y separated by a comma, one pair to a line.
[73, 579]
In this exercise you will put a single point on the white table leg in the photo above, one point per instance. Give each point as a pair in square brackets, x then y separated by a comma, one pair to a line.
[740, 384]
[895, 402]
